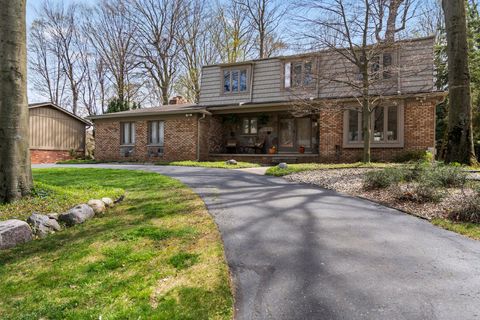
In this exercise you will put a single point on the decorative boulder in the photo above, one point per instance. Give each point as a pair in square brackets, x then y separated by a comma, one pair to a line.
[77, 215]
[283, 165]
[231, 162]
[14, 232]
[43, 225]
[53, 216]
[98, 206]
[108, 202]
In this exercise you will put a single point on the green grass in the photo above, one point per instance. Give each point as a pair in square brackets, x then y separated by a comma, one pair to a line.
[210, 164]
[293, 168]
[156, 255]
[78, 161]
[471, 230]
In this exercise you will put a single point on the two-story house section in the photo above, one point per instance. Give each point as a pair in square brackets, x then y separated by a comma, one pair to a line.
[299, 108]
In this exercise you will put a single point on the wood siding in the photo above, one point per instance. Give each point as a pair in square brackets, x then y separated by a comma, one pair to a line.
[51, 129]
[413, 73]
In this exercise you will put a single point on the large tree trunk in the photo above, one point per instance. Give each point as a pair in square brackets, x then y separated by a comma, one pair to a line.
[460, 134]
[15, 172]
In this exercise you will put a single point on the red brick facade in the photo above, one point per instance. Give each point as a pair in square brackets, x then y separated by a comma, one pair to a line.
[180, 139]
[419, 134]
[48, 156]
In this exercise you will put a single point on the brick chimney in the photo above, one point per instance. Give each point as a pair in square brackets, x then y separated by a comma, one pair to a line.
[177, 100]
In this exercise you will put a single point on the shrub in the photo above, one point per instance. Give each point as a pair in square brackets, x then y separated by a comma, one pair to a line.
[413, 156]
[381, 179]
[419, 192]
[446, 176]
[467, 210]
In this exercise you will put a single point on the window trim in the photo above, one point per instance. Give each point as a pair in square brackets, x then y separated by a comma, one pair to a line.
[239, 68]
[122, 128]
[311, 86]
[399, 143]
[149, 131]
[381, 67]
[249, 126]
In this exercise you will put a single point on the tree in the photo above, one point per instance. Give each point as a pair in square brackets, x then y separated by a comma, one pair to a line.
[15, 172]
[265, 16]
[111, 31]
[355, 34]
[460, 132]
[157, 34]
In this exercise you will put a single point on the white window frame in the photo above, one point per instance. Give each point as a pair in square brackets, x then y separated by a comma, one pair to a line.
[288, 78]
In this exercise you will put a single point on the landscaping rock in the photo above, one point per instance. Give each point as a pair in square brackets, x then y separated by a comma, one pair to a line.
[283, 165]
[14, 232]
[98, 206]
[43, 225]
[231, 162]
[77, 215]
[108, 202]
[53, 216]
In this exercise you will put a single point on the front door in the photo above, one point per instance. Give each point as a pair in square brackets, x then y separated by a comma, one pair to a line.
[286, 135]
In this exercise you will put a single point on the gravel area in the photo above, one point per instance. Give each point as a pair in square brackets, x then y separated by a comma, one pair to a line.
[350, 181]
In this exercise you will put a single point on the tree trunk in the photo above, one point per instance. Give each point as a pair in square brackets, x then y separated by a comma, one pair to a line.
[460, 134]
[15, 172]
[367, 130]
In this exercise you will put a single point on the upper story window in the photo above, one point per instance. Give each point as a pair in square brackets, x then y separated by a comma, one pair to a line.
[380, 66]
[127, 132]
[156, 133]
[386, 126]
[235, 80]
[298, 74]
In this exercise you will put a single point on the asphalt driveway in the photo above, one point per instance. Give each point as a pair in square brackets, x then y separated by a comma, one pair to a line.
[301, 252]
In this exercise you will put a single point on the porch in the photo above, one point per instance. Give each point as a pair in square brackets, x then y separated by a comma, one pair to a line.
[265, 137]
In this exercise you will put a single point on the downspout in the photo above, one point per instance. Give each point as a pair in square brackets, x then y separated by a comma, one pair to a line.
[198, 136]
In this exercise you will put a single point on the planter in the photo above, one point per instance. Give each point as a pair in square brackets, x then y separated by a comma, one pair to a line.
[301, 149]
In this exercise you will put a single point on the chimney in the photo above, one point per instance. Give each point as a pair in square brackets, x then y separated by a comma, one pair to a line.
[177, 100]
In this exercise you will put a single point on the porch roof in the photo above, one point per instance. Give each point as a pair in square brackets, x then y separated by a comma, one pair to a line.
[162, 110]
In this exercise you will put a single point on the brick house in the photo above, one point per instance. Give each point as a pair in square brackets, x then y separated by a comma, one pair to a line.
[55, 133]
[290, 108]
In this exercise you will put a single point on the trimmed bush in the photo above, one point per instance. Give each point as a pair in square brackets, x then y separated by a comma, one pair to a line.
[413, 156]
[468, 210]
[381, 179]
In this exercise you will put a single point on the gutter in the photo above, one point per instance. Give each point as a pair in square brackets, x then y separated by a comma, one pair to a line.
[152, 113]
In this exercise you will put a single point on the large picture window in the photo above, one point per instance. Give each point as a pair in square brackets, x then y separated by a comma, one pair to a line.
[156, 133]
[298, 74]
[127, 131]
[235, 81]
[386, 126]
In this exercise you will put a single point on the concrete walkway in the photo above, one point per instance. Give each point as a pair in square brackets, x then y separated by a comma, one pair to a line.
[301, 252]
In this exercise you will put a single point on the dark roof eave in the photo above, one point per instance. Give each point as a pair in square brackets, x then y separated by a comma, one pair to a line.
[142, 114]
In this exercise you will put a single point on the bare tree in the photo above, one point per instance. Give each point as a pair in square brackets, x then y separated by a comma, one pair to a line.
[47, 76]
[196, 47]
[352, 31]
[394, 14]
[265, 16]
[65, 43]
[157, 34]
[111, 32]
[460, 133]
[232, 34]
[15, 171]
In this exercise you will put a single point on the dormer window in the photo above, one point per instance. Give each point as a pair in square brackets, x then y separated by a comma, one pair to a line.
[235, 81]
[298, 74]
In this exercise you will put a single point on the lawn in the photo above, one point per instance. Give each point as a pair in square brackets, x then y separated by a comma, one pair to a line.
[300, 167]
[210, 164]
[156, 255]
[471, 230]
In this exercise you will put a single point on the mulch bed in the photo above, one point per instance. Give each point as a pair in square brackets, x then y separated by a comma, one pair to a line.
[350, 181]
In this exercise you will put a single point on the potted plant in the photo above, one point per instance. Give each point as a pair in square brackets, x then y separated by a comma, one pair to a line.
[272, 150]
[301, 149]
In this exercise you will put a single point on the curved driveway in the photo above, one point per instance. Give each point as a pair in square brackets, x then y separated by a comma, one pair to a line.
[301, 252]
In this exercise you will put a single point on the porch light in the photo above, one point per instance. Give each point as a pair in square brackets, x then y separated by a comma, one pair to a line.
[188, 115]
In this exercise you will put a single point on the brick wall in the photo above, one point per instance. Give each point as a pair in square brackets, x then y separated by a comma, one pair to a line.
[180, 140]
[419, 134]
[48, 156]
